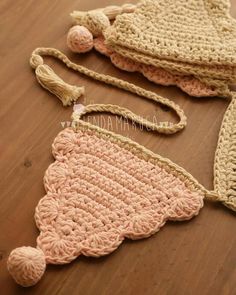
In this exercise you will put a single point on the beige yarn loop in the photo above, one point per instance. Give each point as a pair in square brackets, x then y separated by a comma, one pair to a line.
[26, 265]
[163, 127]
[68, 94]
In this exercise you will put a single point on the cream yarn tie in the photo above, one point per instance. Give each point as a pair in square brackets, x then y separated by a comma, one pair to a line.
[69, 94]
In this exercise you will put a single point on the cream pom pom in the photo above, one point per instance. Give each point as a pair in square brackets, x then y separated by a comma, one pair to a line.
[79, 39]
[26, 265]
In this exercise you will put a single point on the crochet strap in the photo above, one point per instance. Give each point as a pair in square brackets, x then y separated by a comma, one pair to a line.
[68, 93]
[225, 157]
[163, 127]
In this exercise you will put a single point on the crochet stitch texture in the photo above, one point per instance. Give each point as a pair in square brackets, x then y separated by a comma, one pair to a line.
[198, 32]
[185, 37]
[160, 39]
[225, 158]
[189, 84]
[102, 187]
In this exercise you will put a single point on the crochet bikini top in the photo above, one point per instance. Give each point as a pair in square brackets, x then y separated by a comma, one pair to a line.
[195, 37]
[157, 23]
[182, 37]
[104, 187]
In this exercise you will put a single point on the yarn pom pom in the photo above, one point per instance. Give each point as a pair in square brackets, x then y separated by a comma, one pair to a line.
[26, 265]
[79, 39]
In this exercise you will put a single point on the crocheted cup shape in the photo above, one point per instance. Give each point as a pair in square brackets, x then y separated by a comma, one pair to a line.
[184, 37]
[101, 189]
[201, 32]
[189, 84]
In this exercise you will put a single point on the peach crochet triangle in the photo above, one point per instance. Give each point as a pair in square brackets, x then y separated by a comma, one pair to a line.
[101, 189]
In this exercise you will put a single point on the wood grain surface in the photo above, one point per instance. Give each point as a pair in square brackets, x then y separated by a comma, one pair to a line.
[194, 257]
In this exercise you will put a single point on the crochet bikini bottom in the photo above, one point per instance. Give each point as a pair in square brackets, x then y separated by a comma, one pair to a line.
[103, 187]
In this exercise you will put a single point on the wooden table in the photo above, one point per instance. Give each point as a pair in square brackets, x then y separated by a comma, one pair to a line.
[195, 257]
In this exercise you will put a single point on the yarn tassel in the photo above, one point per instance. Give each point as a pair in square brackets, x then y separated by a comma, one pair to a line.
[49, 80]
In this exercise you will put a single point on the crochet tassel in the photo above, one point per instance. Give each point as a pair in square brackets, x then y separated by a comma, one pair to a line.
[50, 81]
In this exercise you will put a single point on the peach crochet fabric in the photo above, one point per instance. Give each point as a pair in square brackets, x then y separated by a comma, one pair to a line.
[188, 84]
[101, 189]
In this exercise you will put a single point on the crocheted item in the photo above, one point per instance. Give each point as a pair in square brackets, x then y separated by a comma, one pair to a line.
[102, 187]
[68, 93]
[140, 25]
[188, 84]
[27, 265]
[79, 39]
[225, 158]
[154, 29]
[224, 171]
[185, 37]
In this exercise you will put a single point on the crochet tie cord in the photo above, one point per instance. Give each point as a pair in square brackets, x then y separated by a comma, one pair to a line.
[167, 39]
[103, 187]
